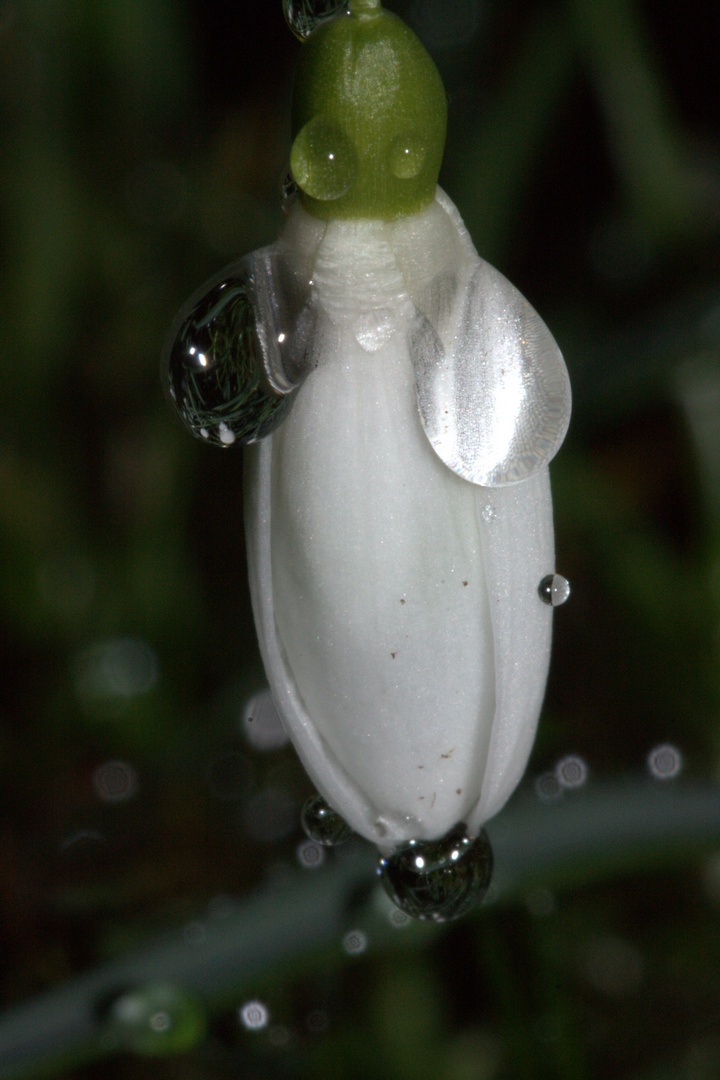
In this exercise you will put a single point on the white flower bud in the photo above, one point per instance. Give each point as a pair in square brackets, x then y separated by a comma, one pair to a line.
[396, 596]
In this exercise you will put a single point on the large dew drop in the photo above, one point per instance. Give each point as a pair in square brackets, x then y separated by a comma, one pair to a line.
[229, 361]
[304, 16]
[439, 879]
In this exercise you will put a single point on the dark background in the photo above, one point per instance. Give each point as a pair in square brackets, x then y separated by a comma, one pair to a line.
[143, 143]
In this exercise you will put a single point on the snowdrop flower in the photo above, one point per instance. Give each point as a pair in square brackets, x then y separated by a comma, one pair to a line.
[401, 401]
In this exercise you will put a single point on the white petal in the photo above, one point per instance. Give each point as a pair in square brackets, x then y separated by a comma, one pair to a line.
[396, 604]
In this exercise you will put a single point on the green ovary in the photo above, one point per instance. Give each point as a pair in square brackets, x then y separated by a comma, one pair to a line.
[369, 118]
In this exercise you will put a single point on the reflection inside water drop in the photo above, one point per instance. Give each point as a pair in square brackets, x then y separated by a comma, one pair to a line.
[214, 363]
[304, 16]
[554, 589]
[439, 879]
[323, 824]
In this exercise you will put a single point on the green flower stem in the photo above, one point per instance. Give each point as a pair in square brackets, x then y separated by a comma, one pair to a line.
[583, 838]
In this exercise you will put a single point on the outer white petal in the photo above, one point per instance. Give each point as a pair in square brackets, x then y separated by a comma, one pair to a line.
[396, 605]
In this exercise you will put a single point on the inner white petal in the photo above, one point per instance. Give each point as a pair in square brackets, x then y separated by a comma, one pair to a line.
[381, 605]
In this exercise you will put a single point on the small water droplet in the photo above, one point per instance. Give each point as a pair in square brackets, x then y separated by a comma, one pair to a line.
[665, 762]
[547, 787]
[355, 942]
[323, 824]
[220, 366]
[323, 159]
[374, 329]
[439, 879]
[554, 589]
[304, 16]
[261, 723]
[310, 855]
[571, 772]
[115, 781]
[407, 156]
[157, 1020]
[254, 1015]
[289, 188]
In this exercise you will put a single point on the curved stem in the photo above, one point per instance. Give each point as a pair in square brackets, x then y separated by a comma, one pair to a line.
[584, 838]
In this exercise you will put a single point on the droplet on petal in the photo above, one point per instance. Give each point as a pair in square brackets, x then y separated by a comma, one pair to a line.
[501, 419]
[407, 156]
[234, 353]
[323, 824]
[554, 589]
[439, 879]
[304, 16]
[323, 159]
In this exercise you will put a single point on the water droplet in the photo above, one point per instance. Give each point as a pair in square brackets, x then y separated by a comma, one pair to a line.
[317, 1021]
[547, 787]
[323, 824]
[254, 1015]
[157, 1020]
[323, 159]
[261, 723]
[289, 188]
[304, 16]
[374, 329]
[115, 781]
[224, 369]
[554, 589]
[82, 841]
[439, 879]
[571, 772]
[109, 674]
[665, 762]
[355, 942]
[310, 855]
[407, 156]
[501, 421]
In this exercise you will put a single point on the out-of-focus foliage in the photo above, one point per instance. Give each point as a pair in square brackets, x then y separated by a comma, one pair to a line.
[142, 146]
